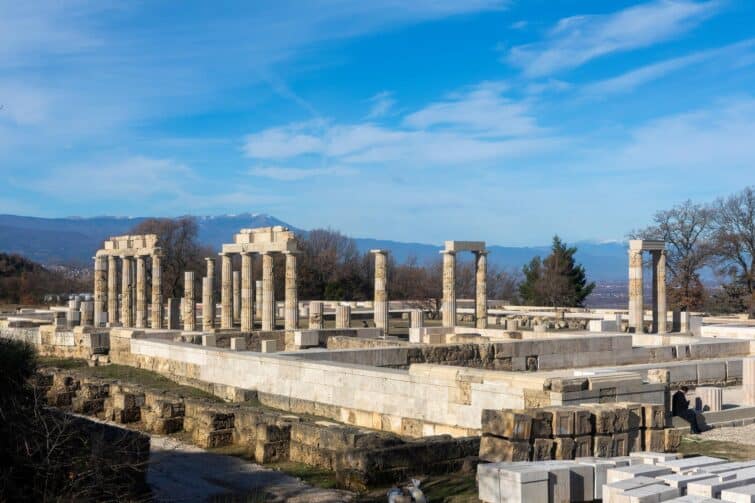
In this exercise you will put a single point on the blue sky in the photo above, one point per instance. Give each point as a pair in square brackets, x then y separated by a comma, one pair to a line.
[506, 121]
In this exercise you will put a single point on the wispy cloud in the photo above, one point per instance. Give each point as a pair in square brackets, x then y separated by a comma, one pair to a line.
[576, 40]
[476, 124]
[382, 104]
[732, 55]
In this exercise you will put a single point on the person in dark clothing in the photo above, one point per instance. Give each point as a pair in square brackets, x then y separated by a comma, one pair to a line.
[680, 408]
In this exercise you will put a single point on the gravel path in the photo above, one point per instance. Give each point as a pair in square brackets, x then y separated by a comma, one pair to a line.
[740, 434]
[183, 472]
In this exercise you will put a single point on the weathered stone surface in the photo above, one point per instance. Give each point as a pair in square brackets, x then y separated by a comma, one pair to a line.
[496, 449]
[542, 449]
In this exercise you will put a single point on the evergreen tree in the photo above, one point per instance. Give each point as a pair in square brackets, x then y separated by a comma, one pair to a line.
[556, 281]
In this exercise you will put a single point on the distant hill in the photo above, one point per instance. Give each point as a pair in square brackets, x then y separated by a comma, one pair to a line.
[74, 240]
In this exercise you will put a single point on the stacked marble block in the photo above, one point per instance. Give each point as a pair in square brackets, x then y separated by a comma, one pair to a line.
[640, 477]
[567, 432]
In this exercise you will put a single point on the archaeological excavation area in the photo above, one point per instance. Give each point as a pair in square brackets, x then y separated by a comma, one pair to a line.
[539, 403]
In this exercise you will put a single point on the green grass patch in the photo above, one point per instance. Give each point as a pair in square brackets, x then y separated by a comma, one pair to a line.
[61, 363]
[128, 375]
[314, 476]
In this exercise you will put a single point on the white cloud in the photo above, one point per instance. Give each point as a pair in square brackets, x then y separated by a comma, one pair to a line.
[288, 174]
[734, 54]
[475, 125]
[382, 104]
[578, 39]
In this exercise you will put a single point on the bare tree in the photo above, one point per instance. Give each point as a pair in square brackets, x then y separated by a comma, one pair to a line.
[687, 229]
[734, 240]
[181, 250]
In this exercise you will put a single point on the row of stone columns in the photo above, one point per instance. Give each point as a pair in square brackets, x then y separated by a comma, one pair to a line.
[133, 312]
[237, 302]
[449, 288]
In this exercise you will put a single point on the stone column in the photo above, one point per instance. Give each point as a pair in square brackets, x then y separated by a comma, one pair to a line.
[315, 315]
[258, 298]
[659, 278]
[226, 291]
[126, 312]
[208, 306]
[157, 290]
[112, 290]
[636, 302]
[481, 289]
[343, 316]
[449, 288]
[416, 318]
[236, 297]
[291, 307]
[100, 287]
[380, 305]
[211, 273]
[268, 292]
[247, 304]
[190, 317]
[748, 381]
[174, 314]
[141, 292]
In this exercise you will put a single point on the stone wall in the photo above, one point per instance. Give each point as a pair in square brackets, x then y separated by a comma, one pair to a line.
[360, 457]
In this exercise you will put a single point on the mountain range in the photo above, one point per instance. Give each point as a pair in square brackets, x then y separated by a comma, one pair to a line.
[75, 239]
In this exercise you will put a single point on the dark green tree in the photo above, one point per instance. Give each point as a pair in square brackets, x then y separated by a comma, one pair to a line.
[556, 281]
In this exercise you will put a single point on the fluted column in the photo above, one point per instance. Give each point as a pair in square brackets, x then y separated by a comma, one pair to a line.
[208, 306]
[258, 299]
[416, 318]
[343, 316]
[380, 304]
[236, 297]
[636, 302]
[100, 286]
[189, 314]
[112, 290]
[157, 290]
[126, 308]
[211, 273]
[291, 307]
[226, 291]
[247, 304]
[449, 288]
[748, 381]
[659, 304]
[141, 292]
[481, 289]
[315, 315]
[268, 292]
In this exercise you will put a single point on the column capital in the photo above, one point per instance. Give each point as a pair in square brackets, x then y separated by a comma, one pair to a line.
[481, 252]
[380, 251]
[447, 252]
[246, 252]
[157, 252]
[291, 252]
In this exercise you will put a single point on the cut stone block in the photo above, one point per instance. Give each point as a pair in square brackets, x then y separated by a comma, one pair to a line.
[743, 494]
[523, 483]
[672, 439]
[498, 449]
[269, 346]
[600, 467]
[542, 423]
[208, 340]
[649, 494]
[614, 489]
[583, 446]
[655, 440]
[542, 449]
[654, 416]
[684, 464]
[603, 446]
[632, 471]
[564, 448]
[562, 421]
[238, 343]
[652, 458]
[510, 424]
[620, 444]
